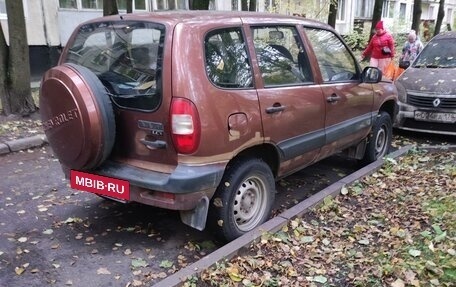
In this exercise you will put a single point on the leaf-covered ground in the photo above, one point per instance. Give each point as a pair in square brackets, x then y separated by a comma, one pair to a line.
[395, 228]
[16, 127]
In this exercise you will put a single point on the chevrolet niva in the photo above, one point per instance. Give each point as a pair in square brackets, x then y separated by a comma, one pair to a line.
[202, 112]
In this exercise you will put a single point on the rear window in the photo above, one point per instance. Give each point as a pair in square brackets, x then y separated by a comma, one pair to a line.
[127, 58]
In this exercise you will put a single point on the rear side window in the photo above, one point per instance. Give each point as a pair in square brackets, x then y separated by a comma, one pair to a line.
[126, 57]
[334, 59]
[227, 61]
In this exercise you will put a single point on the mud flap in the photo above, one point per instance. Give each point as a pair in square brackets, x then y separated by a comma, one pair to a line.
[196, 217]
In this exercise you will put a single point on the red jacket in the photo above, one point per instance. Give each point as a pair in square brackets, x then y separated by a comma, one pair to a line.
[377, 43]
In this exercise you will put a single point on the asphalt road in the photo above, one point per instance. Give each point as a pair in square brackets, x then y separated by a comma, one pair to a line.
[51, 235]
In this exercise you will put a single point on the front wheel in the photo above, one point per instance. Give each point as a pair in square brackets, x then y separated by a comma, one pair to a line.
[243, 199]
[380, 140]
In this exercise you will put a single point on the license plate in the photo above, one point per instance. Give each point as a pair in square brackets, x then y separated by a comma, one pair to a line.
[102, 185]
[435, 117]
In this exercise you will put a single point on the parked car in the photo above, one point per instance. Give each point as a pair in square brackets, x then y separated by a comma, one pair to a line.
[202, 112]
[427, 89]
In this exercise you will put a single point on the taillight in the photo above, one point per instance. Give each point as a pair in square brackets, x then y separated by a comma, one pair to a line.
[185, 126]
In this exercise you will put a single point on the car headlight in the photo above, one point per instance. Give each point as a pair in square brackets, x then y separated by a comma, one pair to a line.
[401, 92]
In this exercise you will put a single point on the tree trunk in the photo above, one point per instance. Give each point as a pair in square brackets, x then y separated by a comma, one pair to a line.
[129, 6]
[199, 5]
[110, 7]
[332, 16]
[20, 96]
[244, 5]
[440, 16]
[3, 74]
[416, 16]
[252, 5]
[376, 16]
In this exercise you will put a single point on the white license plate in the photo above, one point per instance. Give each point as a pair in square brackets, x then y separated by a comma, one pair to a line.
[435, 117]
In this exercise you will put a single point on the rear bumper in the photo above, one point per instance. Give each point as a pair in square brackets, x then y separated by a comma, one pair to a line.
[182, 189]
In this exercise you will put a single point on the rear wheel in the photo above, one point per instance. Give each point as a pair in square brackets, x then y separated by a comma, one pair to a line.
[380, 140]
[243, 199]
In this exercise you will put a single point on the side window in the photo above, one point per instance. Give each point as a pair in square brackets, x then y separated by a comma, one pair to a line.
[280, 56]
[227, 62]
[334, 59]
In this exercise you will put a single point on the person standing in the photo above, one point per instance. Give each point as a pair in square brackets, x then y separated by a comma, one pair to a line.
[412, 48]
[380, 48]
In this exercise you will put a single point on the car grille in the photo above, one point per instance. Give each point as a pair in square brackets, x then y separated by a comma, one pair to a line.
[422, 101]
[411, 123]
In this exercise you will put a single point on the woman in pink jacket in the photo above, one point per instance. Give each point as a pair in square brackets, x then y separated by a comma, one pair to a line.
[380, 48]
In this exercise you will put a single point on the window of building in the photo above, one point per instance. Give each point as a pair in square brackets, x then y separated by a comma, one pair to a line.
[234, 5]
[431, 12]
[388, 9]
[364, 8]
[92, 4]
[98, 4]
[227, 62]
[139, 5]
[68, 4]
[402, 10]
[341, 10]
[2, 9]
[170, 4]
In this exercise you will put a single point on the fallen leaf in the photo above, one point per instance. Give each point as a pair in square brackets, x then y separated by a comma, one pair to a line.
[320, 279]
[19, 270]
[166, 264]
[103, 271]
[138, 263]
[22, 239]
[398, 283]
[414, 252]
[48, 231]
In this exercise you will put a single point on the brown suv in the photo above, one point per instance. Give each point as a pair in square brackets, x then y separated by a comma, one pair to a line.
[202, 112]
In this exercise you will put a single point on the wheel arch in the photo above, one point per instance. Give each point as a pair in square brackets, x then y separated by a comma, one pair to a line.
[267, 152]
[390, 107]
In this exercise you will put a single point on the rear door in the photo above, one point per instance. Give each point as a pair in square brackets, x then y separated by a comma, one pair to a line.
[129, 57]
[291, 104]
[348, 101]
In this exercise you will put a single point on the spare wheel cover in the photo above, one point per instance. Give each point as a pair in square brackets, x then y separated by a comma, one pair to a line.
[77, 116]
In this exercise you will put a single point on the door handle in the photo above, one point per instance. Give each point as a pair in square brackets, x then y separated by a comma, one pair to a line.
[333, 98]
[153, 144]
[275, 109]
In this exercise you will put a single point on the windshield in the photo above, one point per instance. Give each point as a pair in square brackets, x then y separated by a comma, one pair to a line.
[437, 54]
[126, 57]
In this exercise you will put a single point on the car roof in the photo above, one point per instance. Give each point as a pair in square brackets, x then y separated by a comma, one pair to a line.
[211, 16]
[445, 35]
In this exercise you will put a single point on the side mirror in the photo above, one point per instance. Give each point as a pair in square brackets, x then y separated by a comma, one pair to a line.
[371, 75]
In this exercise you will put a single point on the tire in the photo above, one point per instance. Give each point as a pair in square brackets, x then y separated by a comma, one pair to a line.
[78, 116]
[243, 200]
[380, 139]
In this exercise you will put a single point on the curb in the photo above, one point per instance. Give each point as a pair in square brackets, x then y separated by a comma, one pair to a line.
[231, 249]
[22, 144]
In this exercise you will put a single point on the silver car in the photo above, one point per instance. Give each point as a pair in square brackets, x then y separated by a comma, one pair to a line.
[427, 89]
